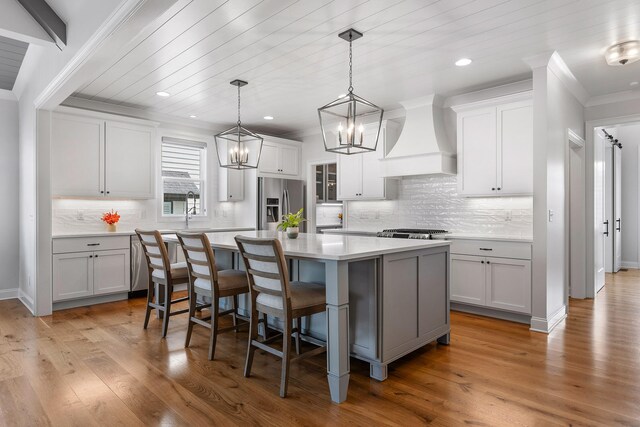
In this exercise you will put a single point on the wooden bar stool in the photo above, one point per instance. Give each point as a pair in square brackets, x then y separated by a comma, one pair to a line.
[164, 274]
[205, 280]
[272, 293]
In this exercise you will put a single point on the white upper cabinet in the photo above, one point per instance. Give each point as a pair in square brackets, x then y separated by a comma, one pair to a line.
[94, 157]
[77, 156]
[230, 185]
[279, 159]
[129, 161]
[495, 147]
[360, 175]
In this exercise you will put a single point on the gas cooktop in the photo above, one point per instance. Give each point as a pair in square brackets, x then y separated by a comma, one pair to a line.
[411, 233]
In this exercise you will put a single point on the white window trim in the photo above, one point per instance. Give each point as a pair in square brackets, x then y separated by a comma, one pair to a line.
[205, 195]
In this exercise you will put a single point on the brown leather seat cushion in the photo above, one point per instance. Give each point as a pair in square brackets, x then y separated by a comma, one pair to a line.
[303, 295]
[228, 280]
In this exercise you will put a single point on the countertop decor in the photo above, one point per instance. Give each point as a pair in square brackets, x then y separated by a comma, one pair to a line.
[111, 219]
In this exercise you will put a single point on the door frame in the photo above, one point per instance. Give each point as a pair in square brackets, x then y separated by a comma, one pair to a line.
[590, 127]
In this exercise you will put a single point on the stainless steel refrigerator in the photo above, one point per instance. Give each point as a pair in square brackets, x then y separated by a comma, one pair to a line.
[277, 197]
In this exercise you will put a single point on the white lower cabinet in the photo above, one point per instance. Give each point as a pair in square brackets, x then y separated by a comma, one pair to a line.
[78, 273]
[494, 282]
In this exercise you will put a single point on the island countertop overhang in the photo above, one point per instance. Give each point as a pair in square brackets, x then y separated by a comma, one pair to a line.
[323, 246]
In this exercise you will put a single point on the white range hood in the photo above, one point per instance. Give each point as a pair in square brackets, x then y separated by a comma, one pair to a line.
[423, 147]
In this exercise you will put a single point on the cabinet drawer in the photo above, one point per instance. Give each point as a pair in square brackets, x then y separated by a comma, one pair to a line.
[82, 244]
[514, 250]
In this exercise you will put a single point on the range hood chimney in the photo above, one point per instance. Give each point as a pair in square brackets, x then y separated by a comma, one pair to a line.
[423, 147]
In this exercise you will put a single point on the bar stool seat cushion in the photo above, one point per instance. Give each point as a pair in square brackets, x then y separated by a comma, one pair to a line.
[303, 295]
[178, 271]
[227, 280]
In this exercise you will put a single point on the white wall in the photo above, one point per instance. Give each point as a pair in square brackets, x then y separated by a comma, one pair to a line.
[9, 195]
[629, 136]
[556, 109]
[39, 68]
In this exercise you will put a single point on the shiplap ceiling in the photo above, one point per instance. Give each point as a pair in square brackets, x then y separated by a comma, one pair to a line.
[11, 55]
[290, 53]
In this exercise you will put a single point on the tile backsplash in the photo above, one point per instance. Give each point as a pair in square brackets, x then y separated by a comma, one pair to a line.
[72, 215]
[328, 214]
[433, 202]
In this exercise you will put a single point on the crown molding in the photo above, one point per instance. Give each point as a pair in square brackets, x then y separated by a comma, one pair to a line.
[554, 62]
[611, 98]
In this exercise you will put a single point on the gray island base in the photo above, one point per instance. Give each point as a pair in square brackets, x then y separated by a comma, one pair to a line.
[385, 297]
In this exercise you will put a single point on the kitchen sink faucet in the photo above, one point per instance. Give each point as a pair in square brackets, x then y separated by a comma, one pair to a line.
[187, 211]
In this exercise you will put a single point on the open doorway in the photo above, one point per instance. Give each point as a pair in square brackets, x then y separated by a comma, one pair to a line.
[616, 188]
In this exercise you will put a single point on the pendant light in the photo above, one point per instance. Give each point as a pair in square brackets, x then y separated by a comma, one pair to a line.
[350, 124]
[238, 147]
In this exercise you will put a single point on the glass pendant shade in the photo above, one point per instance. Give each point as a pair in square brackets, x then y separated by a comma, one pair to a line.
[238, 147]
[350, 124]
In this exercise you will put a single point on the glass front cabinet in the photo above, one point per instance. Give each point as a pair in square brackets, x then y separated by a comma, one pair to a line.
[326, 183]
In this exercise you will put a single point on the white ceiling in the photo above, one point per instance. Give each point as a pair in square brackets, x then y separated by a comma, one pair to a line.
[294, 61]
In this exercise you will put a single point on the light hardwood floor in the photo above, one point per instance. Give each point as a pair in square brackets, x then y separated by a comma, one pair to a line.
[97, 366]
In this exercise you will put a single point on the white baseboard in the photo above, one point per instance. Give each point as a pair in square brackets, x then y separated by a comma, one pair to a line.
[629, 264]
[540, 324]
[9, 293]
[27, 301]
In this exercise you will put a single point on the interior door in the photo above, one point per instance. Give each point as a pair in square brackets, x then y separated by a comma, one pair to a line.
[617, 209]
[599, 217]
[608, 208]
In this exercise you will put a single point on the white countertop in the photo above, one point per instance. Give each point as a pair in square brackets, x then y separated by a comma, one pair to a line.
[132, 232]
[325, 246]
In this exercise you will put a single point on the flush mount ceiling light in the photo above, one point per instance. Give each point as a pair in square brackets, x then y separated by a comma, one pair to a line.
[343, 121]
[237, 147]
[623, 53]
[163, 94]
[463, 62]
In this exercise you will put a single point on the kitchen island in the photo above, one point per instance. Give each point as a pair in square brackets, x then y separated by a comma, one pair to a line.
[385, 297]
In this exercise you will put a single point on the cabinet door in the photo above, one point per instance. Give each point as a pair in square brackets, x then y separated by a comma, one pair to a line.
[289, 159]
[331, 182]
[235, 185]
[515, 149]
[349, 177]
[111, 271]
[268, 159]
[77, 148]
[509, 284]
[320, 178]
[468, 279]
[72, 275]
[129, 161]
[477, 153]
[372, 180]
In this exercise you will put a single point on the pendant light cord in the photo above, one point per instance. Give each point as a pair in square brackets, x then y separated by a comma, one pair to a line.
[350, 66]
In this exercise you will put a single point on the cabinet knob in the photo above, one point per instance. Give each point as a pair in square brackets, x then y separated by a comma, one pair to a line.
[499, 189]
[493, 189]
[90, 256]
[488, 262]
[101, 192]
[108, 192]
[481, 262]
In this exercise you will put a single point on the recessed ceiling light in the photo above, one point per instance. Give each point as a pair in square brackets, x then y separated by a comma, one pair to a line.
[163, 94]
[193, 116]
[633, 84]
[463, 62]
[268, 117]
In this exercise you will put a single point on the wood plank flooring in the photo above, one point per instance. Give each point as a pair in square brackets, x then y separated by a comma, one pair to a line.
[96, 366]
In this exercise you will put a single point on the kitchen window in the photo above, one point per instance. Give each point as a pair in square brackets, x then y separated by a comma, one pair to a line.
[183, 172]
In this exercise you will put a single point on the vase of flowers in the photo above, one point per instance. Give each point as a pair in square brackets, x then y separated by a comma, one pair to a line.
[291, 224]
[111, 219]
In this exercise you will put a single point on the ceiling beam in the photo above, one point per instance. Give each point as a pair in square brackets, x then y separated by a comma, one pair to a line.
[48, 20]
[17, 24]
